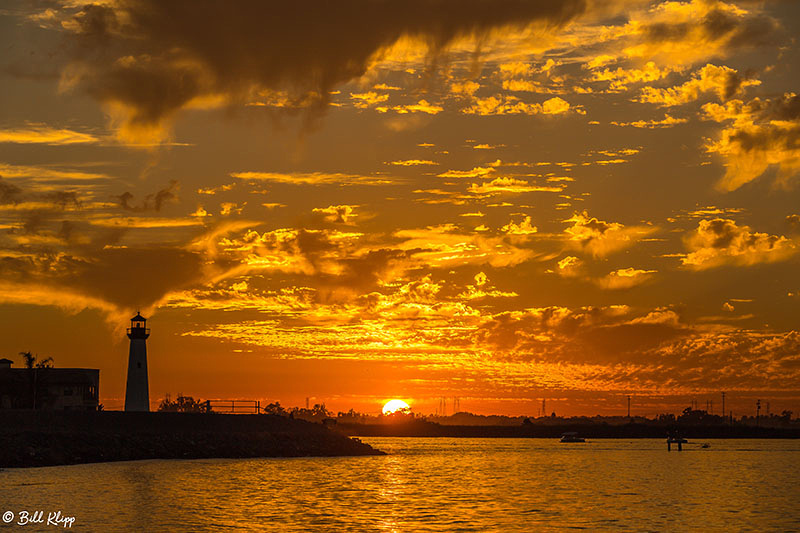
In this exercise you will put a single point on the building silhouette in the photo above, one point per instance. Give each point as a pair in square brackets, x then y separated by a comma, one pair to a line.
[137, 390]
[60, 389]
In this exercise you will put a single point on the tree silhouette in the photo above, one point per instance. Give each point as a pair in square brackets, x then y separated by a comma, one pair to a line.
[182, 404]
[34, 379]
[275, 409]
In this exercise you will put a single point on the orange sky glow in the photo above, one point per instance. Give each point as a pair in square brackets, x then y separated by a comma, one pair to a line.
[496, 201]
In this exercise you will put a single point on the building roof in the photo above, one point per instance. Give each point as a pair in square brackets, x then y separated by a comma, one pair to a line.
[51, 376]
[4, 360]
[138, 317]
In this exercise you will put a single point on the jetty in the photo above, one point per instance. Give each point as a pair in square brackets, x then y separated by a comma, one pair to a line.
[46, 438]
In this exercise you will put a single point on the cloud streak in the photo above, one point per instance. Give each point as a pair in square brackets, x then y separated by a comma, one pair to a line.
[149, 59]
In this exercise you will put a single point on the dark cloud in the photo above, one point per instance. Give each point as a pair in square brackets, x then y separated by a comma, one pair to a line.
[123, 277]
[732, 84]
[737, 359]
[9, 193]
[654, 350]
[155, 57]
[62, 199]
[364, 272]
[719, 25]
[767, 139]
[34, 221]
[590, 334]
[67, 230]
[130, 277]
[155, 201]
[764, 133]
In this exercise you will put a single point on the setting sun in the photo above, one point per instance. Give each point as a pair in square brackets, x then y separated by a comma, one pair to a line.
[394, 406]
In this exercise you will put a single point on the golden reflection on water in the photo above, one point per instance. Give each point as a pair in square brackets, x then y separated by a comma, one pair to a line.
[434, 485]
[389, 489]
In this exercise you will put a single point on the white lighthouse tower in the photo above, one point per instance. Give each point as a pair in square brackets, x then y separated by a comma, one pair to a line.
[137, 391]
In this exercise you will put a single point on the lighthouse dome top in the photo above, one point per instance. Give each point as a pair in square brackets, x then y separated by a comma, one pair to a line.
[138, 329]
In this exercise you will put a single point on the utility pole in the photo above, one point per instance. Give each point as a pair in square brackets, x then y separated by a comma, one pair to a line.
[723, 403]
[629, 407]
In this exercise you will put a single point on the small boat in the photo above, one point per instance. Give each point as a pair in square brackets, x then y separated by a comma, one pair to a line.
[706, 445]
[571, 437]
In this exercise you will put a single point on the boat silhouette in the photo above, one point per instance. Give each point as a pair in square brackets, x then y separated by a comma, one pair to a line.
[571, 436]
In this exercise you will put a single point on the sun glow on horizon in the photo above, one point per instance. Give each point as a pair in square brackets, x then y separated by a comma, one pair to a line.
[394, 406]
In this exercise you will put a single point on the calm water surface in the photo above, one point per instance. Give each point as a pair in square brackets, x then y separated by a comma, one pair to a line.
[434, 485]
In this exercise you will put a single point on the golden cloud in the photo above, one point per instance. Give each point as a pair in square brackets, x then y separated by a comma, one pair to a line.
[412, 162]
[477, 172]
[312, 178]
[509, 186]
[683, 33]
[570, 267]
[721, 241]
[511, 105]
[47, 174]
[445, 246]
[343, 214]
[625, 278]
[723, 81]
[423, 106]
[667, 122]
[601, 238]
[525, 227]
[619, 78]
[41, 134]
[482, 290]
[368, 99]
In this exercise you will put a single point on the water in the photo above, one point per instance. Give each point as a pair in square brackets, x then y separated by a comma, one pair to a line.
[433, 485]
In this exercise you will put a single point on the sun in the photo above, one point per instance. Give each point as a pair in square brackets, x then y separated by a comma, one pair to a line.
[394, 406]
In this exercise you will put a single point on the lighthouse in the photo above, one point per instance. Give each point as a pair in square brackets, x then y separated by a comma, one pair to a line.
[137, 391]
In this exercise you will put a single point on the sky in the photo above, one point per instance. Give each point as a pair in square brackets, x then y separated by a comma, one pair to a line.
[497, 201]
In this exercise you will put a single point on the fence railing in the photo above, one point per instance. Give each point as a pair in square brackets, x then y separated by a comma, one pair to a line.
[234, 407]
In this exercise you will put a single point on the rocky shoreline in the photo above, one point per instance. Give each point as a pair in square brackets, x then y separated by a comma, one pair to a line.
[40, 438]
